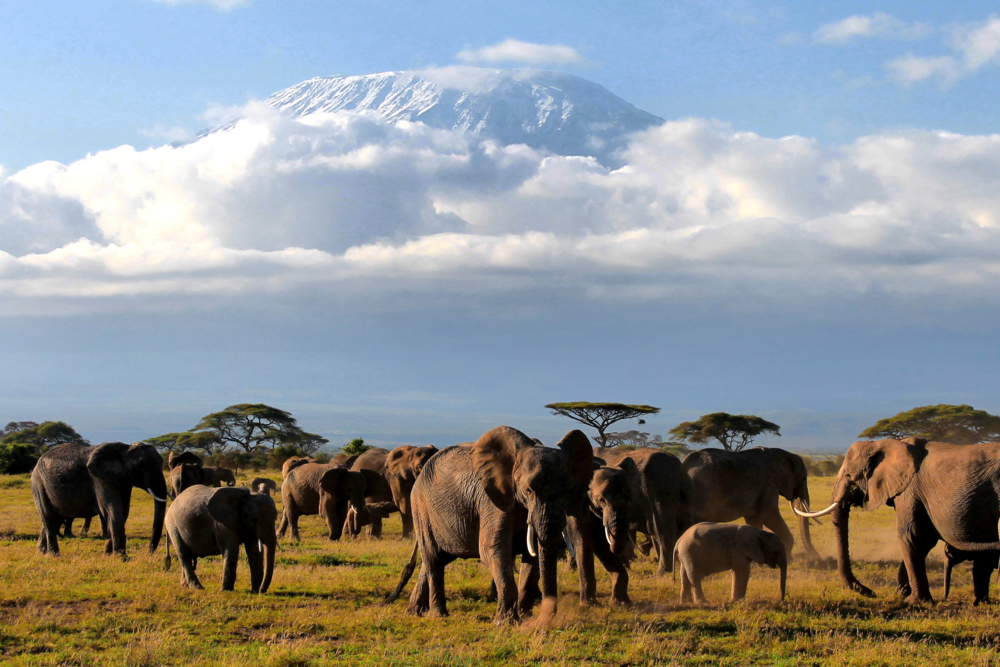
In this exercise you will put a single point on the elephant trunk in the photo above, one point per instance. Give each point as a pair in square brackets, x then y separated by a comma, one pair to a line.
[616, 530]
[841, 519]
[783, 566]
[547, 560]
[159, 512]
[270, 544]
[156, 486]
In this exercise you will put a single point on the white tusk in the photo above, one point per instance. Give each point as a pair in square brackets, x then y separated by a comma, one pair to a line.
[531, 539]
[157, 499]
[351, 510]
[634, 545]
[813, 515]
[607, 535]
[569, 544]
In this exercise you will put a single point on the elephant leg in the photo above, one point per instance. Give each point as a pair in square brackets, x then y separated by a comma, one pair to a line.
[492, 595]
[420, 597]
[581, 532]
[375, 528]
[436, 604]
[617, 572]
[283, 524]
[407, 525]
[664, 522]
[773, 521]
[741, 575]
[293, 521]
[230, 557]
[48, 540]
[85, 531]
[917, 536]
[903, 580]
[528, 592]
[255, 559]
[699, 595]
[68, 528]
[983, 565]
[686, 594]
[187, 560]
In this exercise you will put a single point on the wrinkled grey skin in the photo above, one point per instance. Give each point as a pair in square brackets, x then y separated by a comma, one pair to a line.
[327, 490]
[662, 496]
[939, 491]
[183, 476]
[610, 505]
[76, 481]
[465, 505]
[217, 476]
[206, 521]
[708, 548]
[748, 485]
[399, 470]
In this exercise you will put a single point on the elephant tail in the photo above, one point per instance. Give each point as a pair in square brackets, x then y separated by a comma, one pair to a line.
[166, 558]
[407, 573]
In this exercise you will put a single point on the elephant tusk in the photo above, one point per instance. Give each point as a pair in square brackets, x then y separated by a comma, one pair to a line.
[632, 540]
[569, 544]
[155, 497]
[805, 505]
[531, 540]
[607, 535]
[813, 515]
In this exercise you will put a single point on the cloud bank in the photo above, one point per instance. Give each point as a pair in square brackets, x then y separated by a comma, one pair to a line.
[515, 51]
[975, 46]
[349, 204]
[878, 24]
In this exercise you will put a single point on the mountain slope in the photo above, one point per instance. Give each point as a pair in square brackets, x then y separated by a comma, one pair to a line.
[558, 112]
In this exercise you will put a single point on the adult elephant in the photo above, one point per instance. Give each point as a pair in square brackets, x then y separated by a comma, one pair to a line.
[185, 475]
[464, 506]
[175, 459]
[747, 484]
[294, 462]
[661, 497]
[327, 490]
[73, 480]
[205, 521]
[398, 470]
[939, 491]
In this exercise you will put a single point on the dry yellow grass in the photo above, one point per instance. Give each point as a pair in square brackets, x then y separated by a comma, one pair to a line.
[324, 608]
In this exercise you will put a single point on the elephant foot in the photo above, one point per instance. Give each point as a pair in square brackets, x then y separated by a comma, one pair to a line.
[621, 601]
[861, 589]
[414, 610]
[917, 598]
[434, 612]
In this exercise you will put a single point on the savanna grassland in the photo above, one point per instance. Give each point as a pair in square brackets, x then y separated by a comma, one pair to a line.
[324, 608]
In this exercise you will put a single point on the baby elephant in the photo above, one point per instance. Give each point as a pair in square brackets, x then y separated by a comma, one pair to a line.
[707, 548]
[269, 484]
[205, 521]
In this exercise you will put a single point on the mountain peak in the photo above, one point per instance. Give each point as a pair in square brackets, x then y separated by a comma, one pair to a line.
[552, 111]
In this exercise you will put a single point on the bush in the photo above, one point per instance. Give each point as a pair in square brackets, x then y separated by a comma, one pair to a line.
[823, 466]
[17, 458]
[355, 447]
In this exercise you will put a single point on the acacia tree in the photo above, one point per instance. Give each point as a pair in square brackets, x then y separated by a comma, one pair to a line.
[42, 436]
[734, 432]
[957, 424]
[601, 415]
[256, 427]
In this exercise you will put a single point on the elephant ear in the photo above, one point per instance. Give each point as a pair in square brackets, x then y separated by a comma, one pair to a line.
[399, 461]
[890, 468]
[749, 542]
[629, 466]
[333, 481]
[107, 463]
[421, 456]
[494, 457]
[371, 480]
[229, 505]
[580, 457]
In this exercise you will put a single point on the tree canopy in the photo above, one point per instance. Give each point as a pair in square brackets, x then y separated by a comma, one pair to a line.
[957, 424]
[249, 427]
[600, 415]
[42, 436]
[355, 447]
[734, 432]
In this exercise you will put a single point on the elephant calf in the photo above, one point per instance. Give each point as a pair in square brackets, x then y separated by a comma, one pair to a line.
[708, 548]
[269, 484]
[205, 521]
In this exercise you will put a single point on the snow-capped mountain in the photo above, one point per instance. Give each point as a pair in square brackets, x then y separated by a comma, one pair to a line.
[557, 112]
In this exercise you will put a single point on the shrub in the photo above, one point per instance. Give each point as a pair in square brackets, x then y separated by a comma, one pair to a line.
[16, 458]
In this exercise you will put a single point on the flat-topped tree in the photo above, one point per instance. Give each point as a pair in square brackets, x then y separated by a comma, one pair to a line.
[600, 415]
[734, 432]
[957, 424]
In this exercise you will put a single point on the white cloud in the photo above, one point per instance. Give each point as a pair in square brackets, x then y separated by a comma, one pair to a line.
[975, 46]
[515, 51]
[347, 203]
[878, 24]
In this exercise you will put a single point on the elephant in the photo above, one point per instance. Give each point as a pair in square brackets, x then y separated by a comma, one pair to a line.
[399, 469]
[184, 475]
[661, 494]
[345, 460]
[939, 491]
[68, 527]
[269, 484]
[610, 504]
[215, 476]
[468, 502]
[175, 459]
[983, 564]
[747, 484]
[73, 480]
[327, 490]
[294, 462]
[205, 521]
[707, 548]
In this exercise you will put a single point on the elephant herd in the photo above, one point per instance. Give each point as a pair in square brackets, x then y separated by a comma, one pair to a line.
[506, 496]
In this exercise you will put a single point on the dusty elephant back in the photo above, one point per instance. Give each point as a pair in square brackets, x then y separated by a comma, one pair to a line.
[61, 473]
[302, 488]
[449, 499]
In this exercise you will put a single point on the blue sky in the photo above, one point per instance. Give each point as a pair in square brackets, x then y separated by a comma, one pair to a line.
[851, 274]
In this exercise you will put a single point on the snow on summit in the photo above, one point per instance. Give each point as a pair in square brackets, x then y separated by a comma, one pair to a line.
[558, 112]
